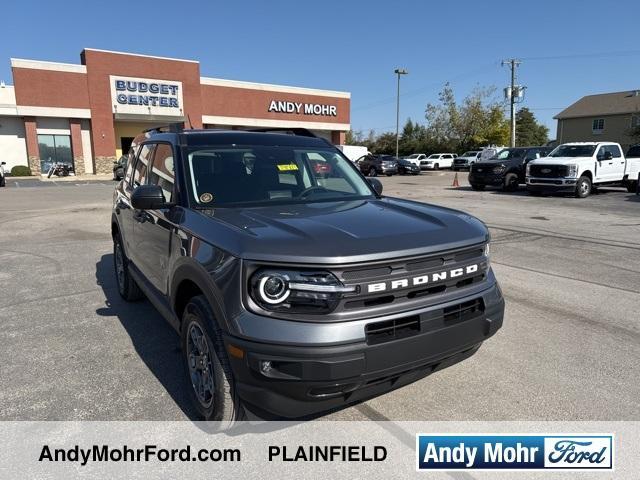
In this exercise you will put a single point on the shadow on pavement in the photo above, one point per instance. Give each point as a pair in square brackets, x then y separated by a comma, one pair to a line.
[155, 341]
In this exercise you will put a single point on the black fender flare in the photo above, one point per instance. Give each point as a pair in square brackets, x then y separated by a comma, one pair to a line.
[188, 269]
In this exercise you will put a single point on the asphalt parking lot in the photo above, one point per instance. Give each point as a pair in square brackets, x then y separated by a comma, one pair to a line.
[569, 348]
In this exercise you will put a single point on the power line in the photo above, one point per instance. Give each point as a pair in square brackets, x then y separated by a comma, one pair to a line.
[418, 91]
[618, 53]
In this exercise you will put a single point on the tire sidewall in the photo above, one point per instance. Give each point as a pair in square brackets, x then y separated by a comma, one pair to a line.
[198, 311]
[373, 172]
[511, 182]
[579, 192]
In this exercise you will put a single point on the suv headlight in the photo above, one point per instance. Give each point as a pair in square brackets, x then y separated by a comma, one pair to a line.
[487, 254]
[297, 291]
[572, 171]
[499, 169]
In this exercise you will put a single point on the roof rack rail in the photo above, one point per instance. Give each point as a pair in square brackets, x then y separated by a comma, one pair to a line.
[300, 132]
[172, 127]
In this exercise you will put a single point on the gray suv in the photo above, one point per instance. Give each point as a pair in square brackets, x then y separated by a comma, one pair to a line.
[295, 292]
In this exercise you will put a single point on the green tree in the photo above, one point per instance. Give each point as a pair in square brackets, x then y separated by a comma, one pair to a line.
[528, 130]
[478, 121]
[354, 137]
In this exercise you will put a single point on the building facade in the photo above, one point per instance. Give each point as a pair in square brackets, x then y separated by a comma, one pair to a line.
[610, 117]
[87, 114]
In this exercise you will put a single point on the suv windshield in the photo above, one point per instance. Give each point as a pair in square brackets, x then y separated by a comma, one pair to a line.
[469, 154]
[415, 155]
[573, 151]
[264, 175]
[508, 154]
[435, 155]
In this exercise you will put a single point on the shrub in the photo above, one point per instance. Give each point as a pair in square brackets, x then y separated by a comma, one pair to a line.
[20, 171]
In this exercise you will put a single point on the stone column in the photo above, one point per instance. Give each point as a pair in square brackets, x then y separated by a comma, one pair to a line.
[33, 152]
[76, 145]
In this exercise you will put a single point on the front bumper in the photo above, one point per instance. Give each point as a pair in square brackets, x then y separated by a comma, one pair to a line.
[308, 379]
[489, 179]
[390, 170]
[551, 184]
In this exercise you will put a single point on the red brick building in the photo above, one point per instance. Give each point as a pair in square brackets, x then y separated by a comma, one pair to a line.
[88, 113]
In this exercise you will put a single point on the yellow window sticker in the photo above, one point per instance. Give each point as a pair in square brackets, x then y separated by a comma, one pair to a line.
[288, 167]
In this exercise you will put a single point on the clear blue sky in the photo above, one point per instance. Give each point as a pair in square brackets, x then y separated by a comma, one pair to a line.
[355, 45]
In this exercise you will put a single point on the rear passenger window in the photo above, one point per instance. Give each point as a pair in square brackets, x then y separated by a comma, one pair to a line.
[615, 151]
[162, 172]
[140, 172]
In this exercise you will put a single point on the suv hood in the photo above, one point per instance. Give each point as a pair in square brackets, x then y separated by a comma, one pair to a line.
[558, 160]
[338, 232]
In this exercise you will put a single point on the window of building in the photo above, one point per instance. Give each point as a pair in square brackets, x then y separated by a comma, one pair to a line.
[635, 121]
[598, 125]
[162, 172]
[54, 149]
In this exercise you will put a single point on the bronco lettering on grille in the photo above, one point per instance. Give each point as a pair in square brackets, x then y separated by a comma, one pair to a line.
[421, 279]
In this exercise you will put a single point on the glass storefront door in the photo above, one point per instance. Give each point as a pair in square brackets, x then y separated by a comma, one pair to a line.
[54, 149]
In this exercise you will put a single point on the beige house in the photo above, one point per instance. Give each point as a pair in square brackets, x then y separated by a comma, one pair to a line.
[602, 117]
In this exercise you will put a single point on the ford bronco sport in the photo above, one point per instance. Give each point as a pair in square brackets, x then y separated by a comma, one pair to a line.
[295, 292]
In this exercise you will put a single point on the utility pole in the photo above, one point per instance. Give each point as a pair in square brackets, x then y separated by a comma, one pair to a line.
[513, 95]
[398, 71]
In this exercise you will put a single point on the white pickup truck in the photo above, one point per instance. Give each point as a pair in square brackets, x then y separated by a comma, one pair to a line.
[579, 167]
[416, 158]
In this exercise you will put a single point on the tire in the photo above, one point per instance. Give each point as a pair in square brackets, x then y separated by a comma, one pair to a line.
[510, 182]
[50, 173]
[373, 172]
[3, 182]
[478, 187]
[436, 166]
[212, 385]
[631, 187]
[583, 187]
[127, 286]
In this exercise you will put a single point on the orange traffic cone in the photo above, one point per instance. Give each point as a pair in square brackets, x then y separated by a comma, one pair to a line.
[455, 181]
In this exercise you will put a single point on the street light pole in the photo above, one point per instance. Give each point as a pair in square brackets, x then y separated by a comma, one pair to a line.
[398, 71]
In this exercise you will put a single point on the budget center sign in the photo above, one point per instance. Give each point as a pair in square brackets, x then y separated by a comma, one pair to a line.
[146, 96]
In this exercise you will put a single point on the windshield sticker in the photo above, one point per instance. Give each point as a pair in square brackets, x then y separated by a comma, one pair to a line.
[288, 167]
[206, 198]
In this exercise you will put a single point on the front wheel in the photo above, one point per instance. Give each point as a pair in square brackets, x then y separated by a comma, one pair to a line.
[373, 172]
[436, 166]
[583, 187]
[632, 187]
[510, 182]
[3, 182]
[207, 367]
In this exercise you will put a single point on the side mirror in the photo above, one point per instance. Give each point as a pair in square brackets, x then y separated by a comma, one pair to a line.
[376, 184]
[148, 197]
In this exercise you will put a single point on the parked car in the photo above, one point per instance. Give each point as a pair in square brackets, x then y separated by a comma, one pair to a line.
[119, 167]
[3, 180]
[437, 161]
[579, 167]
[416, 158]
[633, 176]
[294, 293]
[507, 169]
[466, 159]
[374, 165]
[405, 167]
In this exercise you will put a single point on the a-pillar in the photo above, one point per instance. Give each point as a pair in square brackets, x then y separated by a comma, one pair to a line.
[33, 152]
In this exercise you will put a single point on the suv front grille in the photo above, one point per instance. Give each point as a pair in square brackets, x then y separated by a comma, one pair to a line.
[548, 171]
[411, 281]
[381, 332]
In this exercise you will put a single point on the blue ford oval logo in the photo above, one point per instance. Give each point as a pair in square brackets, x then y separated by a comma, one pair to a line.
[546, 170]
